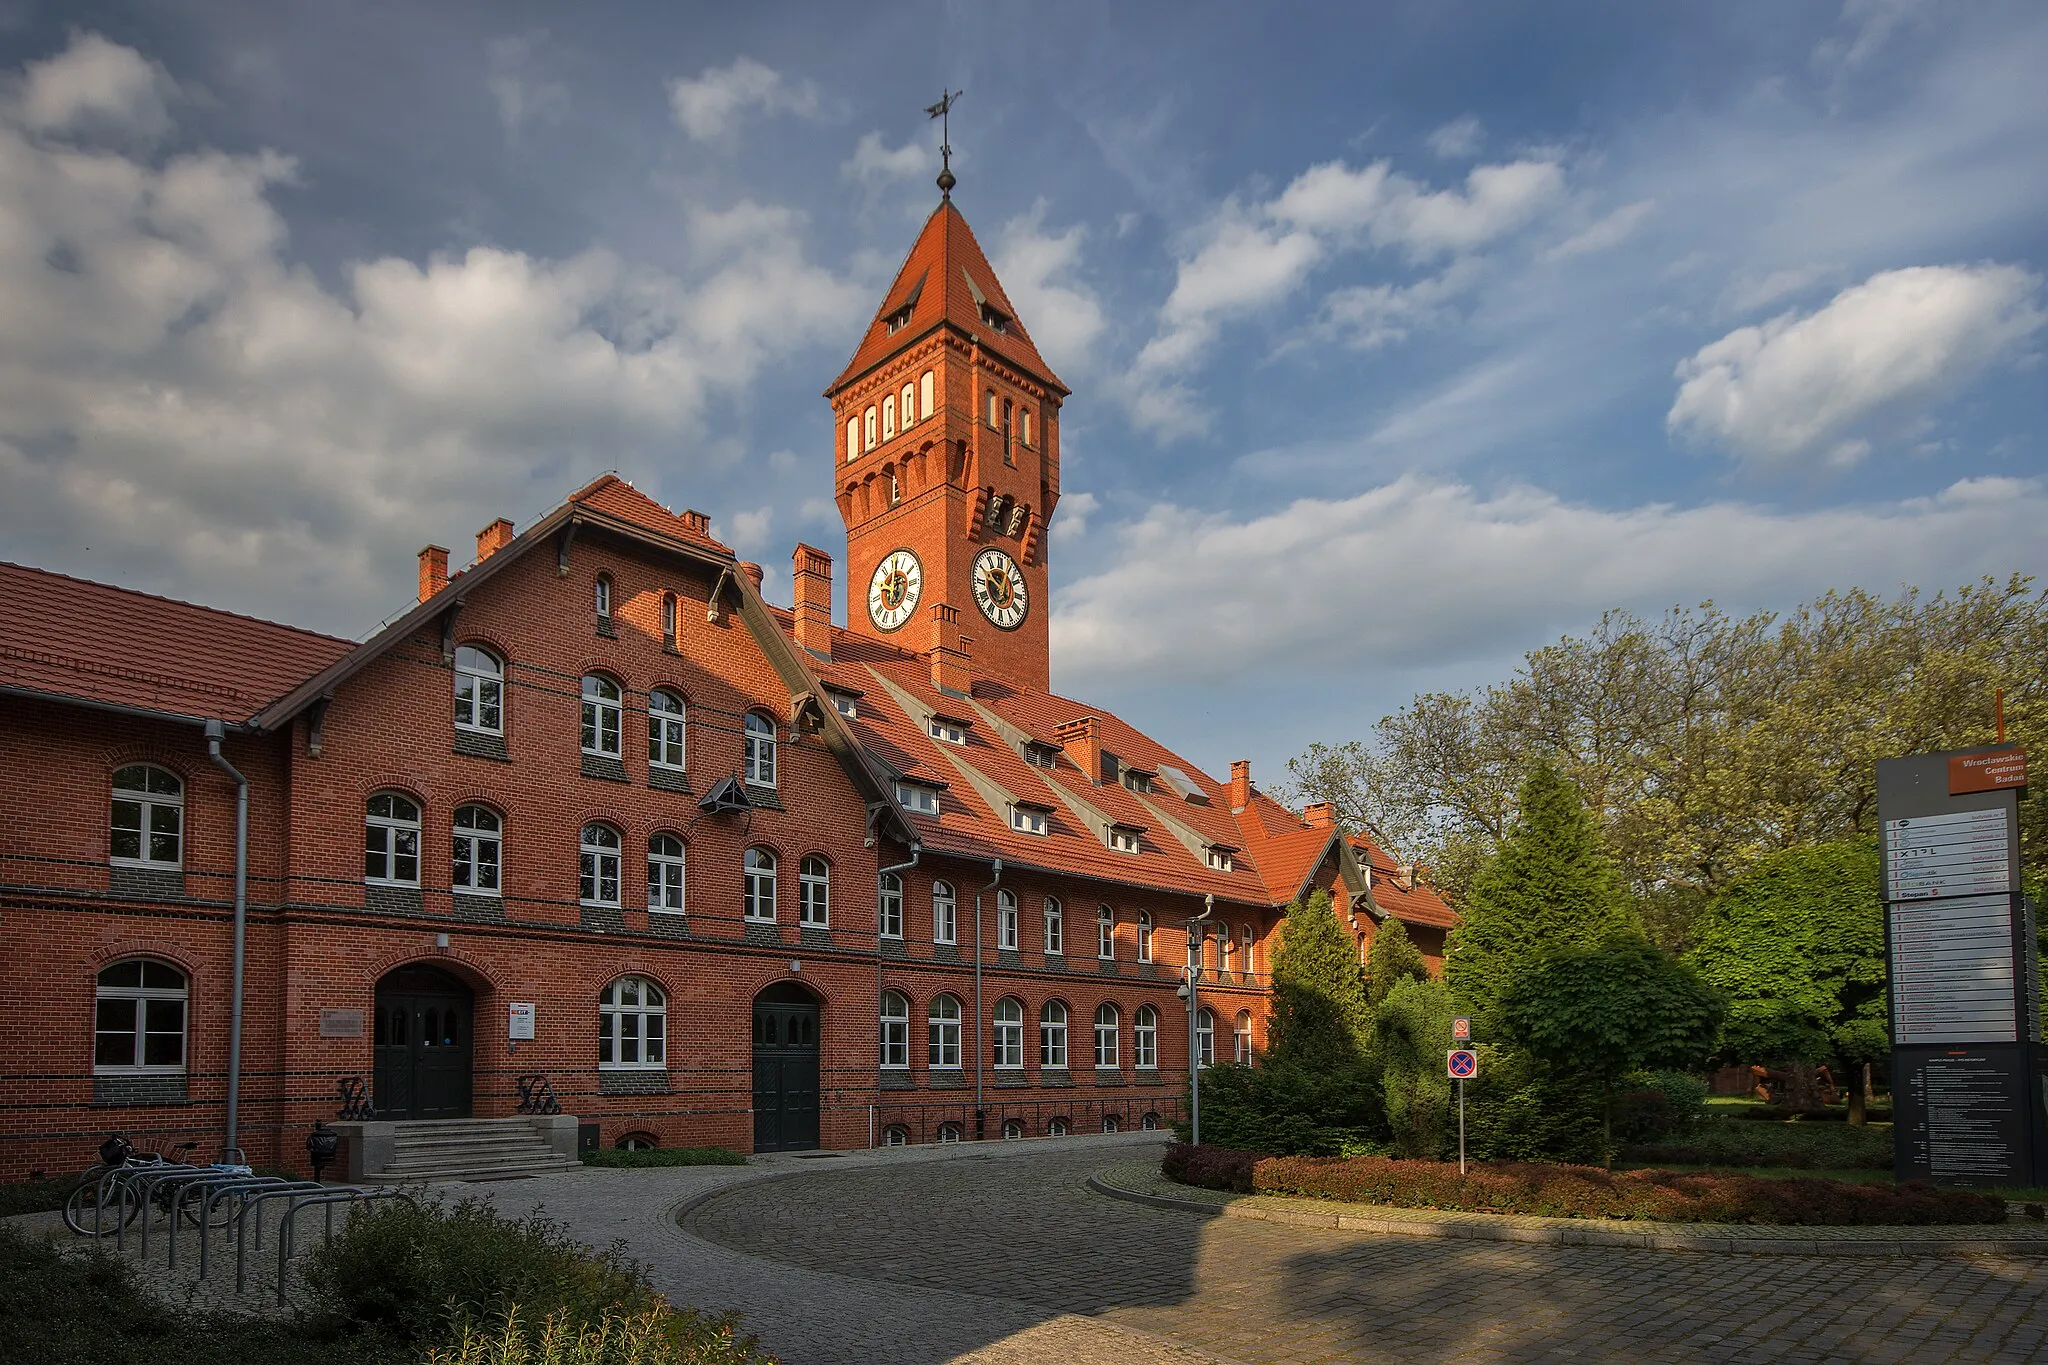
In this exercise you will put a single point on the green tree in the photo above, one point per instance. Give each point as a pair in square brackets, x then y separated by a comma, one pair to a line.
[1550, 885]
[1411, 1032]
[1393, 958]
[1602, 1012]
[1319, 1008]
[1797, 946]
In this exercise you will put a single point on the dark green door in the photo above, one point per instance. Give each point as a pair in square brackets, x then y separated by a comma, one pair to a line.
[785, 1070]
[422, 1045]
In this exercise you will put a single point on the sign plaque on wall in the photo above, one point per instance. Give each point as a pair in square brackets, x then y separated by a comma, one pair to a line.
[519, 1021]
[341, 1023]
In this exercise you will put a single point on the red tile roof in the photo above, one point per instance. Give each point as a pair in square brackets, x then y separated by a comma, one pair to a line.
[93, 642]
[613, 496]
[1420, 904]
[939, 279]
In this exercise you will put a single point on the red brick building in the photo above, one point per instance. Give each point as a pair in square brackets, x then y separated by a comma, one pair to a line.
[592, 810]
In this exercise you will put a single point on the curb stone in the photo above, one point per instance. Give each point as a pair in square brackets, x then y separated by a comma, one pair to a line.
[2027, 1241]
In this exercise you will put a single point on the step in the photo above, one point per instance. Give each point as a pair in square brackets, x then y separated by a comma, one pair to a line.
[470, 1171]
[477, 1140]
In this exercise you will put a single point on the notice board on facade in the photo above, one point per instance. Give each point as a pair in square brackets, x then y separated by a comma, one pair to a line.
[1967, 1073]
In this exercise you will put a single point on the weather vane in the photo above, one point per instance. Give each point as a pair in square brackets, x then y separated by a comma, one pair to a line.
[942, 111]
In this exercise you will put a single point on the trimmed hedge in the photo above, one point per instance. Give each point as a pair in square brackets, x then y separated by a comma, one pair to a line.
[664, 1156]
[1802, 1144]
[1211, 1167]
[1585, 1191]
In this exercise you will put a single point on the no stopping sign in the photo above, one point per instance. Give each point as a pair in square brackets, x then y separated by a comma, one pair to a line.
[1462, 1063]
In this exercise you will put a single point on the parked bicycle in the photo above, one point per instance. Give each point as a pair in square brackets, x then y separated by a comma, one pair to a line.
[109, 1196]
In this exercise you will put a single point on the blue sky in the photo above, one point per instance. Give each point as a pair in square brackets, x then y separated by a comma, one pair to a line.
[1404, 337]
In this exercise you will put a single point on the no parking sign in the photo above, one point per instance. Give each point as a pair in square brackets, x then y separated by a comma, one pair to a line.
[1462, 1063]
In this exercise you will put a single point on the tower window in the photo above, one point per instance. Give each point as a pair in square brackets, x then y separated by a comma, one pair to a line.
[924, 394]
[1008, 457]
[995, 409]
[852, 438]
[909, 407]
[1024, 427]
[889, 417]
[871, 420]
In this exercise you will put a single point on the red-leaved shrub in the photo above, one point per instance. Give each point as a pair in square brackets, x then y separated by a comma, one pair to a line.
[1210, 1168]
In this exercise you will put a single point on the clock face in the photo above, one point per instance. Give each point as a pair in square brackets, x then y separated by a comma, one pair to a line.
[999, 589]
[894, 590]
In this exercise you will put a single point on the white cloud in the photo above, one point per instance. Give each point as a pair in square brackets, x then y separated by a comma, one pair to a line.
[1070, 518]
[1459, 138]
[747, 531]
[1870, 24]
[1366, 317]
[211, 419]
[875, 163]
[1799, 387]
[1750, 291]
[1040, 271]
[1430, 573]
[95, 86]
[704, 107]
[1611, 231]
[522, 96]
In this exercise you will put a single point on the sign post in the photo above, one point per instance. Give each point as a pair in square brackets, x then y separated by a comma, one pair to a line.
[1967, 1057]
[1462, 1063]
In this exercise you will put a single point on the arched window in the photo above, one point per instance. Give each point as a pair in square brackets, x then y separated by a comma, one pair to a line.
[1013, 1129]
[1056, 1126]
[604, 597]
[600, 716]
[1244, 939]
[814, 892]
[924, 393]
[391, 840]
[943, 1023]
[949, 1132]
[892, 905]
[1149, 1124]
[870, 419]
[759, 750]
[1006, 920]
[1112, 1124]
[1105, 932]
[943, 926]
[852, 438]
[1241, 1036]
[1144, 936]
[478, 851]
[1106, 1036]
[665, 873]
[1145, 1038]
[895, 1135]
[1052, 1036]
[1008, 1037]
[598, 882]
[632, 1024]
[1205, 1036]
[995, 409]
[1025, 431]
[758, 892]
[895, 1032]
[889, 417]
[1055, 926]
[148, 824]
[1223, 946]
[139, 1017]
[909, 407]
[479, 691]
[665, 729]
[637, 1142]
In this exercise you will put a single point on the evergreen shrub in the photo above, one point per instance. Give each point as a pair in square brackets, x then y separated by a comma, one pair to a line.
[1275, 1107]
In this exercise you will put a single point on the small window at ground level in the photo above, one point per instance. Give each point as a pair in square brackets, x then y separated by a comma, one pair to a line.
[1056, 1127]
[1012, 1129]
[895, 1135]
[1150, 1123]
[1111, 1124]
[949, 1132]
[637, 1142]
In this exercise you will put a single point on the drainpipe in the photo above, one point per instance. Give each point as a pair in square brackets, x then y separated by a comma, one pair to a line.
[880, 872]
[215, 732]
[1194, 998]
[980, 1043]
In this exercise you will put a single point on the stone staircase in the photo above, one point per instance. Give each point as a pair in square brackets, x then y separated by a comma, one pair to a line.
[460, 1149]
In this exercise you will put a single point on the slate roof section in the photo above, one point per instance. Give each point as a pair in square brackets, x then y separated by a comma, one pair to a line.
[940, 279]
[95, 643]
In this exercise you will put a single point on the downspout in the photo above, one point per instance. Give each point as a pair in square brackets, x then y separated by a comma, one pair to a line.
[980, 1043]
[880, 872]
[215, 732]
[1194, 1009]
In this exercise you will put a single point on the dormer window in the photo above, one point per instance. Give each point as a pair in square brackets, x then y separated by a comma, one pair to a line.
[1218, 858]
[994, 318]
[1123, 839]
[1027, 819]
[899, 319]
[1041, 755]
[845, 705]
[915, 796]
[947, 729]
[1138, 780]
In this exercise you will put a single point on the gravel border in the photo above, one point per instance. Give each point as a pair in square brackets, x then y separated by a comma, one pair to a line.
[1145, 1185]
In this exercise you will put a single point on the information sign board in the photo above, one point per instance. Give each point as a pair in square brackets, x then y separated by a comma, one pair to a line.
[1462, 1063]
[1461, 1030]
[1963, 854]
[1987, 772]
[519, 1021]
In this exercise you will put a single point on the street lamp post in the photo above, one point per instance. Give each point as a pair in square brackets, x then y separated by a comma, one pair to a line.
[1190, 991]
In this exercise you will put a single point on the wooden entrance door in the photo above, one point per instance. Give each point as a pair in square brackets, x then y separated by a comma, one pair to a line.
[423, 1045]
[785, 1070]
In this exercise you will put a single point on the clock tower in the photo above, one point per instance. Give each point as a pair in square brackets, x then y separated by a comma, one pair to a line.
[947, 464]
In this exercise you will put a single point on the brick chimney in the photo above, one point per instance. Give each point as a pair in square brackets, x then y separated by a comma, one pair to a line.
[433, 570]
[493, 538]
[700, 522]
[752, 571]
[1240, 785]
[1320, 815]
[811, 570]
[948, 650]
[1082, 739]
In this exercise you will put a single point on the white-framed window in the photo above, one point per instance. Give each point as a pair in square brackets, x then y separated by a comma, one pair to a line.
[598, 865]
[1026, 820]
[891, 900]
[1145, 1038]
[1144, 936]
[758, 891]
[1224, 947]
[814, 892]
[895, 1031]
[995, 409]
[759, 745]
[1056, 1126]
[944, 913]
[479, 690]
[391, 840]
[942, 1023]
[1055, 926]
[914, 797]
[1006, 920]
[601, 711]
[670, 614]
[889, 417]
[895, 1135]
[1149, 1124]
[1105, 932]
[1026, 425]
[1139, 782]
[1244, 939]
[924, 393]
[632, 1025]
[665, 719]
[1123, 840]
[1112, 1124]
[1052, 1036]
[665, 857]
[949, 731]
[1106, 1029]
[949, 1132]
[1205, 1036]
[846, 705]
[869, 418]
[604, 597]
[479, 850]
[852, 438]
[909, 406]
[147, 827]
[1007, 1037]
[1013, 1129]
[139, 1010]
[1241, 1037]
[1219, 858]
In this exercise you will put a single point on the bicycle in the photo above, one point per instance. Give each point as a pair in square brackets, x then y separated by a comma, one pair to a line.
[99, 1203]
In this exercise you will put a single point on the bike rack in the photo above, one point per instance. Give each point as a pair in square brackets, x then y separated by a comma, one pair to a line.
[257, 1183]
[145, 1182]
[206, 1178]
[253, 1203]
[347, 1194]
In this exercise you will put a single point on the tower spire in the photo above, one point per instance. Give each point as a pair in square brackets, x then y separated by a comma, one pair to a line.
[942, 111]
